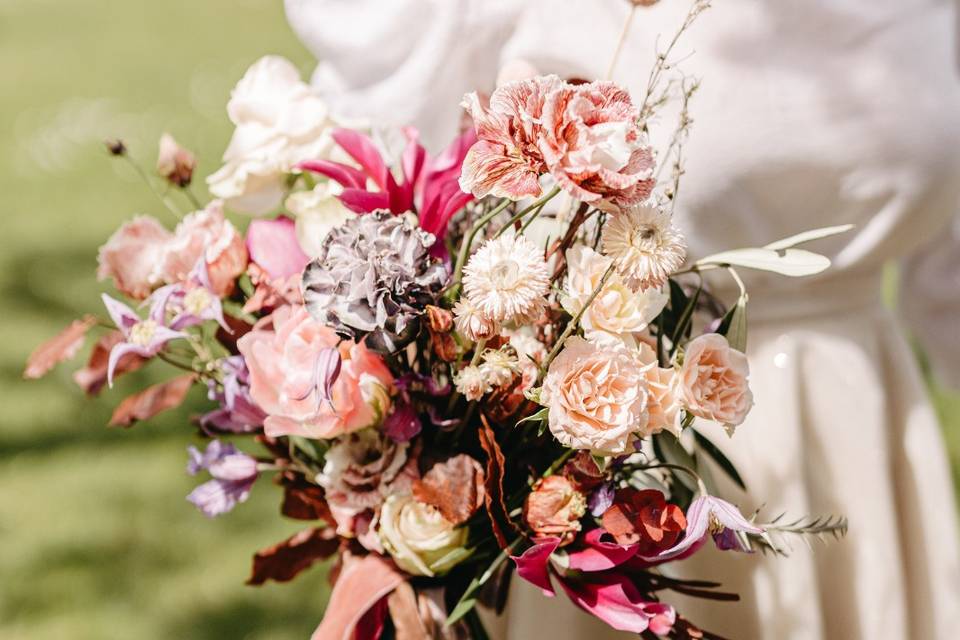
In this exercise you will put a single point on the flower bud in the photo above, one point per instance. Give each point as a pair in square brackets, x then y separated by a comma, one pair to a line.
[175, 163]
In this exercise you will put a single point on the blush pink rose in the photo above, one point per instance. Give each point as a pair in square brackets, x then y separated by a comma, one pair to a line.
[131, 256]
[712, 382]
[597, 396]
[209, 234]
[662, 407]
[585, 136]
[283, 363]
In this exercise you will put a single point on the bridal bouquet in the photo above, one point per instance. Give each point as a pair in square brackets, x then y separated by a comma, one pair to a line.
[456, 368]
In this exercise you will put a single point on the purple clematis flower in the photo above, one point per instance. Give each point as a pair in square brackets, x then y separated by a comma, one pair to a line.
[708, 514]
[403, 424]
[238, 413]
[192, 302]
[146, 338]
[233, 475]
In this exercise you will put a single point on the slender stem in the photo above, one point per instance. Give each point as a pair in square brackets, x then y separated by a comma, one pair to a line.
[736, 277]
[573, 323]
[538, 205]
[176, 364]
[620, 42]
[552, 469]
[187, 191]
[468, 240]
[678, 467]
[146, 179]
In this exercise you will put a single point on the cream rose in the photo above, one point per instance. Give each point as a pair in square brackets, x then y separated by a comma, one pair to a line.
[418, 537]
[280, 121]
[712, 381]
[597, 396]
[618, 311]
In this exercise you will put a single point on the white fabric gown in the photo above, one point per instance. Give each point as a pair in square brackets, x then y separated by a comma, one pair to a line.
[811, 113]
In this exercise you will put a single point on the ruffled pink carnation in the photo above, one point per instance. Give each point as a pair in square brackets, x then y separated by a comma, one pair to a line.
[131, 256]
[283, 362]
[585, 136]
[209, 234]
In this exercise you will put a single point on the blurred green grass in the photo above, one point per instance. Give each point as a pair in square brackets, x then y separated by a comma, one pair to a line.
[96, 539]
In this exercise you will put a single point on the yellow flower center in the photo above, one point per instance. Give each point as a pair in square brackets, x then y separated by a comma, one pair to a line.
[196, 301]
[142, 332]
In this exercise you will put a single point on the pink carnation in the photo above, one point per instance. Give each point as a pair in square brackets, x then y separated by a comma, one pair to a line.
[585, 136]
[131, 256]
[209, 234]
[284, 362]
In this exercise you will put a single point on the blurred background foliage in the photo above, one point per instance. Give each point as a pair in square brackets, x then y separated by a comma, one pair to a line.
[96, 539]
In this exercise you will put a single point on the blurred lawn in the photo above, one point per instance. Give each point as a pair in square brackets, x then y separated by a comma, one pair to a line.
[96, 539]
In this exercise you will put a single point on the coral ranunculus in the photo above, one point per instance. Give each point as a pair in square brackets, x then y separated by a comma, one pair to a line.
[644, 518]
[284, 378]
[554, 508]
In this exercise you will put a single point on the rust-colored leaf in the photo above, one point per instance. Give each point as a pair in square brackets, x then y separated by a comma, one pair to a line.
[62, 346]
[304, 501]
[93, 377]
[455, 487]
[493, 496]
[152, 400]
[286, 559]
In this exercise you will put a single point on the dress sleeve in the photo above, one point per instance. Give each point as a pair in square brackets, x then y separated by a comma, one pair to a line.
[930, 301]
[404, 62]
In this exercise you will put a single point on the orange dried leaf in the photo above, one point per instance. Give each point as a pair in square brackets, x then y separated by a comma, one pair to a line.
[286, 559]
[93, 377]
[152, 400]
[62, 346]
[455, 487]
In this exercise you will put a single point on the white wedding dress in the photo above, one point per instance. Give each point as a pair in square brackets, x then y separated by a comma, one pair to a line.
[811, 113]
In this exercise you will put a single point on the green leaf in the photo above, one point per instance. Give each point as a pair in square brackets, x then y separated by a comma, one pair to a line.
[467, 601]
[463, 608]
[787, 262]
[684, 323]
[718, 456]
[540, 416]
[600, 461]
[669, 449]
[315, 450]
[808, 236]
[734, 325]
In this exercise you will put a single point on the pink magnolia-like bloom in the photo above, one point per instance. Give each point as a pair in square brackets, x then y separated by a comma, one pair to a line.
[712, 382]
[597, 396]
[273, 246]
[585, 136]
[294, 381]
[131, 256]
[209, 234]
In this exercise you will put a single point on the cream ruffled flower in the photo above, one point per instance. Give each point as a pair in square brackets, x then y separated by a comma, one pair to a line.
[418, 537]
[472, 382]
[499, 367]
[507, 279]
[645, 245]
[472, 323]
[618, 311]
[318, 212]
[597, 397]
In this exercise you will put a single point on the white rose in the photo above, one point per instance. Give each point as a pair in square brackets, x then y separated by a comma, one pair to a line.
[317, 212]
[418, 537]
[618, 311]
[280, 121]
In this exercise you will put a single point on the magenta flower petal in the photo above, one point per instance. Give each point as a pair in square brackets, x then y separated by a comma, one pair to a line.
[361, 148]
[403, 424]
[600, 554]
[273, 245]
[533, 565]
[347, 176]
[613, 598]
[360, 201]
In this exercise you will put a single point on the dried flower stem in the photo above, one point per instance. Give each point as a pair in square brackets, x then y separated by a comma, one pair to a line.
[146, 179]
[468, 241]
[620, 42]
[535, 207]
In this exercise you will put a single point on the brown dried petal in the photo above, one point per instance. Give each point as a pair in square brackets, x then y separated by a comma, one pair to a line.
[93, 377]
[493, 496]
[305, 502]
[286, 559]
[439, 319]
[454, 487]
[62, 346]
[152, 400]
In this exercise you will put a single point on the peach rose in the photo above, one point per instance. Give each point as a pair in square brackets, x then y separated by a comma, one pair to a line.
[283, 363]
[597, 396]
[554, 508]
[206, 233]
[662, 407]
[131, 256]
[712, 382]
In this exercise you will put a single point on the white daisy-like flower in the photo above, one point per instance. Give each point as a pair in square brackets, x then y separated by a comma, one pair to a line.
[472, 382]
[499, 367]
[472, 323]
[645, 245]
[507, 279]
